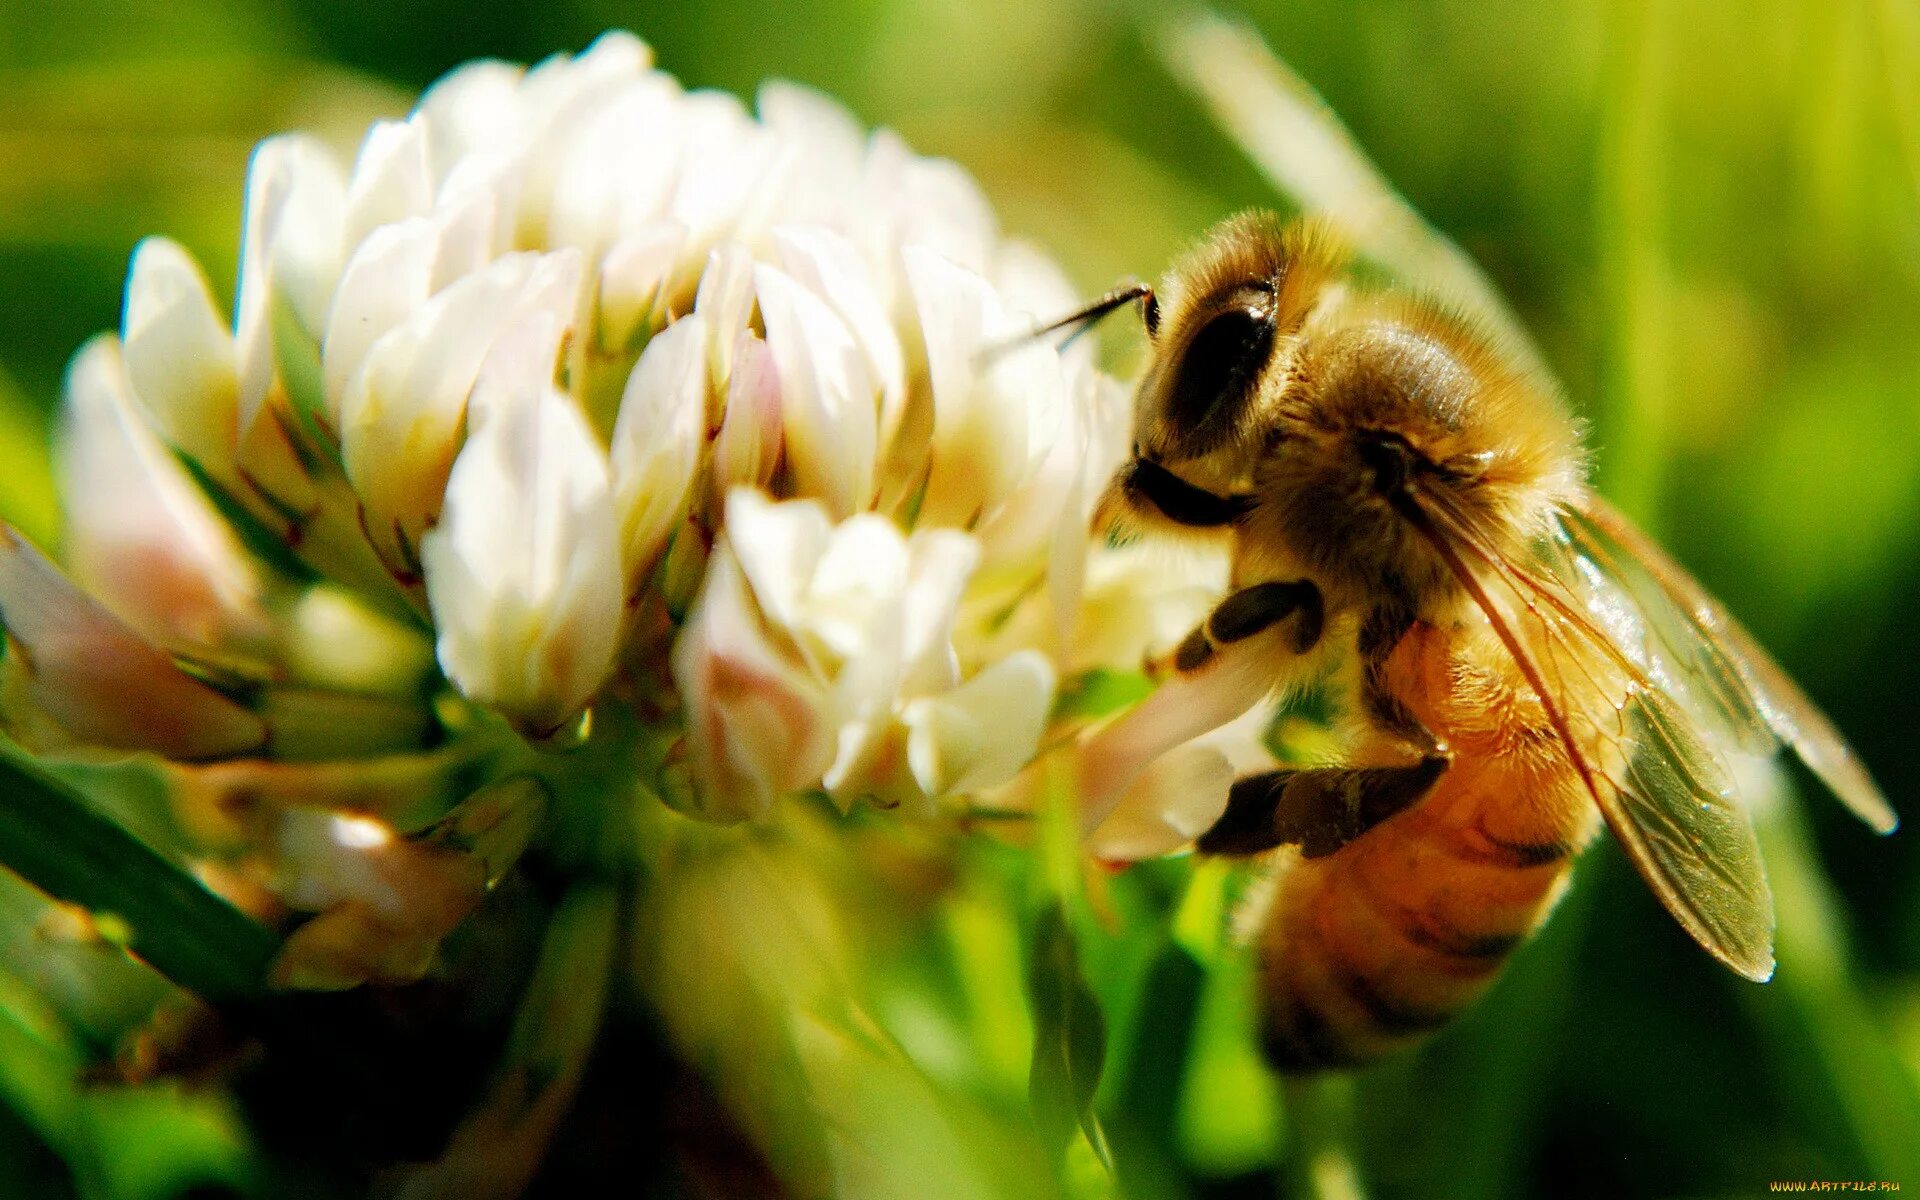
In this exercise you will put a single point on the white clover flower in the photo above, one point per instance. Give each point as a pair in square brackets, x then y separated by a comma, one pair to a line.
[823, 655]
[577, 394]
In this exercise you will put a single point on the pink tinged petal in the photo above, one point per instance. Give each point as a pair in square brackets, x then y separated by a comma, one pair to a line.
[636, 280]
[747, 450]
[826, 391]
[290, 253]
[1175, 800]
[523, 572]
[402, 413]
[980, 734]
[657, 440]
[350, 945]
[391, 180]
[179, 355]
[141, 535]
[870, 763]
[830, 265]
[329, 858]
[385, 901]
[755, 729]
[386, 281]
[222, 805]
[72, 665]
[1186, 706]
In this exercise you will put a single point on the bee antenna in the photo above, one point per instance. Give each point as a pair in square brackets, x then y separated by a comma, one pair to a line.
[1079, 321]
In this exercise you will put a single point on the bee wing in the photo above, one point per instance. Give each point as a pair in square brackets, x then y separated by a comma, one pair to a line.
[1746, 692]
[1655, 715]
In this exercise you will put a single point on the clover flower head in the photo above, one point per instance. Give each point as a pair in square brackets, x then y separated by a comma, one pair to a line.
[577, 408]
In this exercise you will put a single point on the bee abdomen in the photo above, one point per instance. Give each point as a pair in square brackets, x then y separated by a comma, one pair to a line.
[1381, 944]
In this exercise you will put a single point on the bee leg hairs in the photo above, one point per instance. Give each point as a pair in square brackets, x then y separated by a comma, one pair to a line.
[1318, 810]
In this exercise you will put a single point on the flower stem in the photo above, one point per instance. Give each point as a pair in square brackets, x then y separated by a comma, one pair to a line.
[56, 841]
[496, 1151]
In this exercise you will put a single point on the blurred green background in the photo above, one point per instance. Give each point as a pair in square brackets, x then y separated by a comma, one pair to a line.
[1708, 215]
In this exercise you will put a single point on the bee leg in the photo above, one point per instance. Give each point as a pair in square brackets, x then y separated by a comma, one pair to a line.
[1380, 634]
[1253, 610]
[1318, 810]
[1176, 499]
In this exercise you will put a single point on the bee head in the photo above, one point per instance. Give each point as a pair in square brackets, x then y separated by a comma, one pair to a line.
[1324, 424]
[1222, 324]
[1394, 408]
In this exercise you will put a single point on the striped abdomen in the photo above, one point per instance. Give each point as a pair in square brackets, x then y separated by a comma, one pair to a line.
[1381, 942]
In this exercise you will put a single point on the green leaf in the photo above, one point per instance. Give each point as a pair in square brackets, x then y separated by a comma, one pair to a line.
[1152, 1070]
[890, 1132]
[55, 840]
[1229, 1119]
[164, 1141]
[983, 940]
[144, 1143]
[1849, 1083]
[39, 1061]
[1069, 1042]
[30, 1166]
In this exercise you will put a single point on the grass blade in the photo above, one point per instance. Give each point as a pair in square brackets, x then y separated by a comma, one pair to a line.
[56, 841]
[1295, 139]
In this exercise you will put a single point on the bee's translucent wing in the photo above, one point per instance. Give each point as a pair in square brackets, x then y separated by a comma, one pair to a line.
[1677, 809]
[1753, 700]
[1657, 718]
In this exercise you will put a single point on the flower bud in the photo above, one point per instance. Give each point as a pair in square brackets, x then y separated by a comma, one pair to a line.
[74, 673]
[141, 536]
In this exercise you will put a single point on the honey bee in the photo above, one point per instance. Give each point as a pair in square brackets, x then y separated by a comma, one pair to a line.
[1406, 507]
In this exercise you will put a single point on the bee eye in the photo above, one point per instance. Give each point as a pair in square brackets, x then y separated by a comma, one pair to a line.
[1220, 364]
